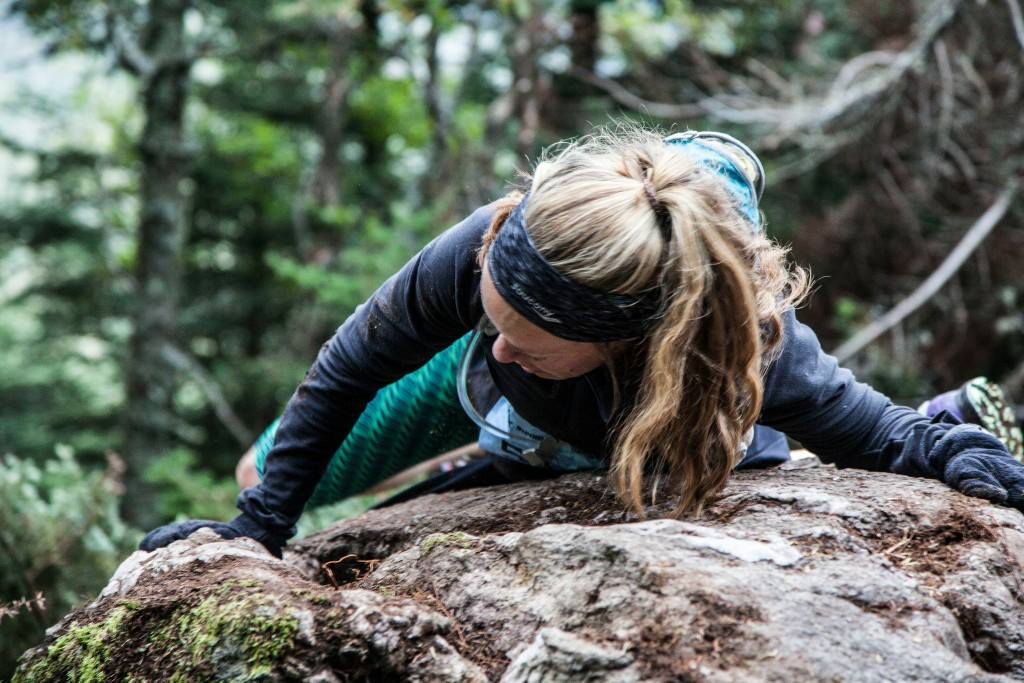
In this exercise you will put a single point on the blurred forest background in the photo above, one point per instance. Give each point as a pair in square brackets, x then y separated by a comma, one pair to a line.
[194, 195]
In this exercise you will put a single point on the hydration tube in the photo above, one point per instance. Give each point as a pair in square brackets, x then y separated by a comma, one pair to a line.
[531, 449]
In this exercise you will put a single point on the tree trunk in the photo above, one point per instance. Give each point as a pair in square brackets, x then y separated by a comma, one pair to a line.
[526, 75]
[150, 376]
[566, 109]
[333, 112]
[375, 154]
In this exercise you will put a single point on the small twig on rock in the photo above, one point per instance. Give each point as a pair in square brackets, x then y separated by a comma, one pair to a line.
[326, 567]
[893, 548]
[369, 566]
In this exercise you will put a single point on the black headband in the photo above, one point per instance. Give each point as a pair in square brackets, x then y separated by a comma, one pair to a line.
[569, 310]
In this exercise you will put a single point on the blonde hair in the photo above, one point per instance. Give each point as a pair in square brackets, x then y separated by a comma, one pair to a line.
[594, 215]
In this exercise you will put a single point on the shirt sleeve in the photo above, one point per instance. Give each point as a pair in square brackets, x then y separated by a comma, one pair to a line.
[425, 307]
[814, 400]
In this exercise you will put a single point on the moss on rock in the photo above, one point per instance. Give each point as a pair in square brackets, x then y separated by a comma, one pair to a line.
[80, 655]
[245, 634]
[233, 634]
[207, 609]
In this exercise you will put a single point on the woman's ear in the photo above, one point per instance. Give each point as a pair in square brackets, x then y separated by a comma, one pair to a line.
[612, 350]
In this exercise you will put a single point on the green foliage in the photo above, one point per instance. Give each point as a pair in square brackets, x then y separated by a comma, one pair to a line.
[60, 535]
[322, 517]
[55, 388]
[387, 107]
[382, 249]
[849, 316]
[186, 492]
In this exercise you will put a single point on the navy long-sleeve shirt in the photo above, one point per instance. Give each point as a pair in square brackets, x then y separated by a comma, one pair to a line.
[435, 299]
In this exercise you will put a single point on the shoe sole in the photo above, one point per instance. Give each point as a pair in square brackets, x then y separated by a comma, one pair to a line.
[995, 414]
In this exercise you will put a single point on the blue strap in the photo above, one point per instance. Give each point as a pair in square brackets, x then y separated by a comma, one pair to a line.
[737, 182]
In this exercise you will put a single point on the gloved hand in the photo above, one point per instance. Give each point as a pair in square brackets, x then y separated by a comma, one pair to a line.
[965, 457]
[989, 473]
[243, 525]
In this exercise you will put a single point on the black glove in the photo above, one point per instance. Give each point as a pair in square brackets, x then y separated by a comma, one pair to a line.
[972, 461]
[987, 473]
[243, 525]
[965, 457]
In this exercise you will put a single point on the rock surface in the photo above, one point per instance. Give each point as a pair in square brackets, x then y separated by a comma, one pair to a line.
[210, 609]
[796, 573]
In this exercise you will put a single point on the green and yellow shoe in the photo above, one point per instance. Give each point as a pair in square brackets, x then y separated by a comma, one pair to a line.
[981, 402]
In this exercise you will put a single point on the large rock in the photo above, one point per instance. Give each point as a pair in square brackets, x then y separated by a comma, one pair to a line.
[209, 609]
[797, 573]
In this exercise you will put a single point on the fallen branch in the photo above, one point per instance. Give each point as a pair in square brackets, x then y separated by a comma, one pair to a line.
[662, 110]
[36, 604]
[861, 90]
[428, 467]
[1018, 21]
[970, 241]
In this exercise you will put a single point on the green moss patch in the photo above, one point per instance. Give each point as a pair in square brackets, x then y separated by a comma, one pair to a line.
[82, 654]
[233, 633]
[245, 634]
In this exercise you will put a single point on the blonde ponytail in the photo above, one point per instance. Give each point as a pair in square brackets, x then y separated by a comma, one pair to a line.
[623, 212]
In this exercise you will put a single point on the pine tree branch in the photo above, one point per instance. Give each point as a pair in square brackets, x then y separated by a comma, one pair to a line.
[622, 95]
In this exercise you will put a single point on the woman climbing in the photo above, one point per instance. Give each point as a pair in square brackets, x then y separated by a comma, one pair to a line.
[625, 312]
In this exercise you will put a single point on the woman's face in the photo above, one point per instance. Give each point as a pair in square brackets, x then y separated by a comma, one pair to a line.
[536, 351]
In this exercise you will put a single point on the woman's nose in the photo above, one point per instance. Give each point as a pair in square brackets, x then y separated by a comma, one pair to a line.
[502, 351]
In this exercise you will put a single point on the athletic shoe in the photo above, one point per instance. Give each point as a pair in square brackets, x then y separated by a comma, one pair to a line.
[981, 402]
